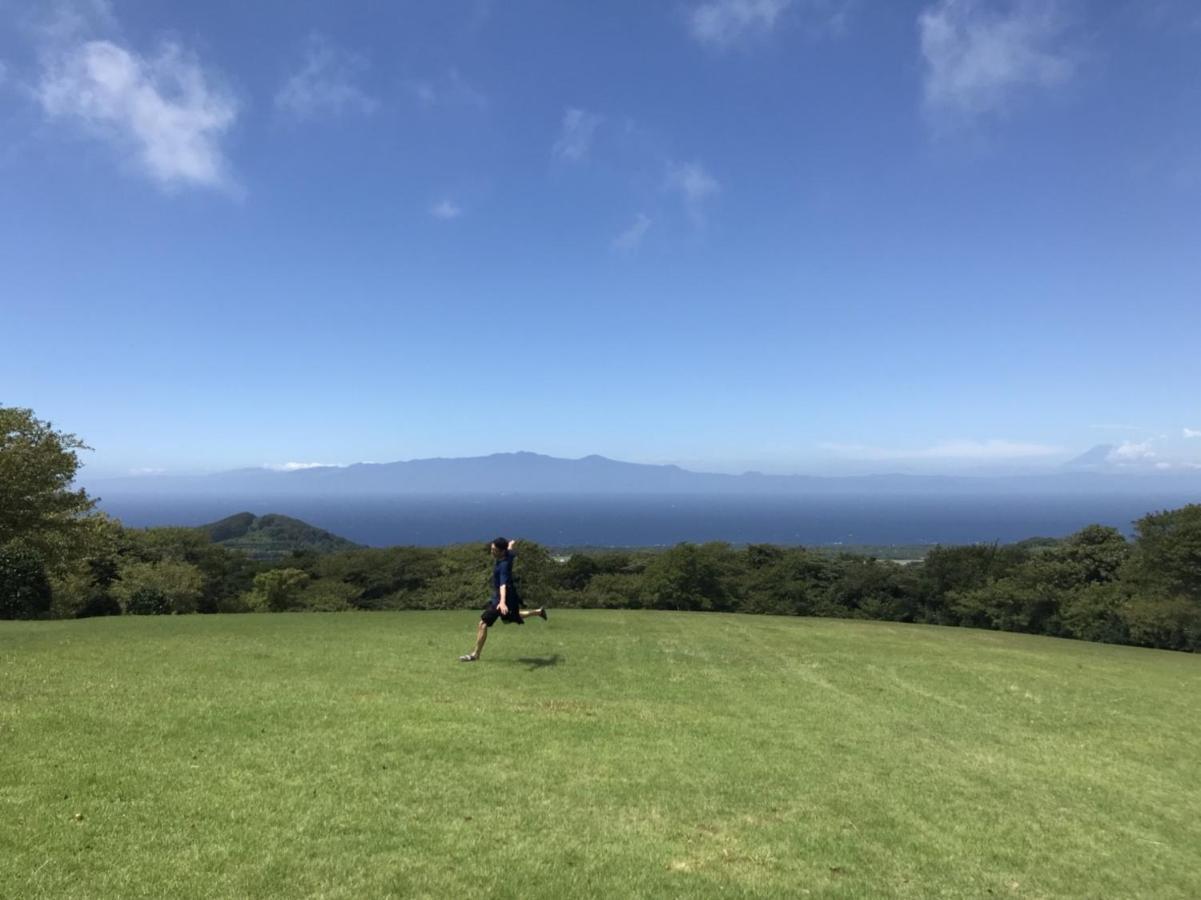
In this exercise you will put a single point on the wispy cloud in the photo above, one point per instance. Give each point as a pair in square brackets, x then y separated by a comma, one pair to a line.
[630, 239]
[1132, 452]
[326, 83]
[298, 466]
[163, 113]
[446, 210]
[576, 134]
[947, 450]
[720, 23]
[978, 54]
[694, 184]
[1192, 433]
[450, 89]
[64, 21]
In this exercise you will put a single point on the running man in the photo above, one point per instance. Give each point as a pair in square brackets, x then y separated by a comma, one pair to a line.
[505, 603]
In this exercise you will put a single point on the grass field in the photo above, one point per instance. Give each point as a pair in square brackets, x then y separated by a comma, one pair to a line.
[602, 753]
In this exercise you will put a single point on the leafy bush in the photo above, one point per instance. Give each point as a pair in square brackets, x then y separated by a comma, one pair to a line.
[327, 595]
[146, 600]
[24, 587]
[178, 585]
[277, 590]
[688, 576]
[1094, 612]
[1166, 560]
[1170, 623]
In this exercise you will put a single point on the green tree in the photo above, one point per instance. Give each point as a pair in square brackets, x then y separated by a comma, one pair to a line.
[83, 587]
[1095, 612]
[689, 576]
[1095, 554]
[785, 582]
[277, 589]
[1170, 623]
[159, 587]
[867, 588]
[1166, 559]
[24, 588]
[327, 595]
[37, 504]
[227, 574]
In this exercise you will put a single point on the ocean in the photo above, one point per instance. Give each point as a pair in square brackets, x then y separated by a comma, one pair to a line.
[653, 521]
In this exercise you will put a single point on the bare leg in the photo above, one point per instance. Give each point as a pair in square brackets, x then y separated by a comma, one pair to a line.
[481, 635]
[526, 613]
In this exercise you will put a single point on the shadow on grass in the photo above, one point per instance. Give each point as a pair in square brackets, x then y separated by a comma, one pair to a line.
[539, 662]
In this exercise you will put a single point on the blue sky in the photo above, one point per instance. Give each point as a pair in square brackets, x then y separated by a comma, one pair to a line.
[792, 235]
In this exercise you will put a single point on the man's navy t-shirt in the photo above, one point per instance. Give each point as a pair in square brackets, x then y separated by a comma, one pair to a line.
[502, 573]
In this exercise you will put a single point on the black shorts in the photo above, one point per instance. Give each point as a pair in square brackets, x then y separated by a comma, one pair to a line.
[492, 613]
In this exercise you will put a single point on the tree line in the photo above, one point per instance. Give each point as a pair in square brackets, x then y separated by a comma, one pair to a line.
[59, 558]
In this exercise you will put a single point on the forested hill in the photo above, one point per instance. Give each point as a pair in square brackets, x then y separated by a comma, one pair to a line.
[272, 536]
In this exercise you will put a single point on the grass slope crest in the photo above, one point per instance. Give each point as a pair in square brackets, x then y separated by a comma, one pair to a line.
[272, 536]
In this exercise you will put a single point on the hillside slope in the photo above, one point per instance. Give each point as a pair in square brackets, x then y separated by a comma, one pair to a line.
[599, 754]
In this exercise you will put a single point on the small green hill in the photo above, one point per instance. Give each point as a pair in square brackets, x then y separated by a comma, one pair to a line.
[599, 754]
[272, 536]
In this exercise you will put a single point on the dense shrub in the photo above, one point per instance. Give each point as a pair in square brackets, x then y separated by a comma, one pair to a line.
[178, 585]
[277, 590]
[24, 587]
[1171, 623]
[146, 600]
[1094, 612]
[327, 595]
[1166, 559]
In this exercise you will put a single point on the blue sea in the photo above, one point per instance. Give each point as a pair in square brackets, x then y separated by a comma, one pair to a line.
[652, 521]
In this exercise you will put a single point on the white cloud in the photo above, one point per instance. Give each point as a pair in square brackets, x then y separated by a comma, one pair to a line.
[576, 134]
[1131, 452]
[298, 466]
[163, 111]
[691, 180]
[446, 210]
[694, 184]
[948, 450]
[1192, 433]
[977, 54]
[450, 89]
[722, 22]
[74, 20]
[326, 84]
[629, 240]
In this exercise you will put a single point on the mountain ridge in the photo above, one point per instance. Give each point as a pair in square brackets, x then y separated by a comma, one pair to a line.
[535, 473]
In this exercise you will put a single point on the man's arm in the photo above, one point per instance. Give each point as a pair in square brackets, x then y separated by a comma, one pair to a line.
[503, 606]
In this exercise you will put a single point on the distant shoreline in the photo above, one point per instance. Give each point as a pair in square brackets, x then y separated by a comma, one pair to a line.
[832, 524]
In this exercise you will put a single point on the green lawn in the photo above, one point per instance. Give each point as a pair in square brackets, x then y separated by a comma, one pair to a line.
[602, 753]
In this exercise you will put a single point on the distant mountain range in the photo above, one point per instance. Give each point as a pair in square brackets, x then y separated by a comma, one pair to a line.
[533, 473]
